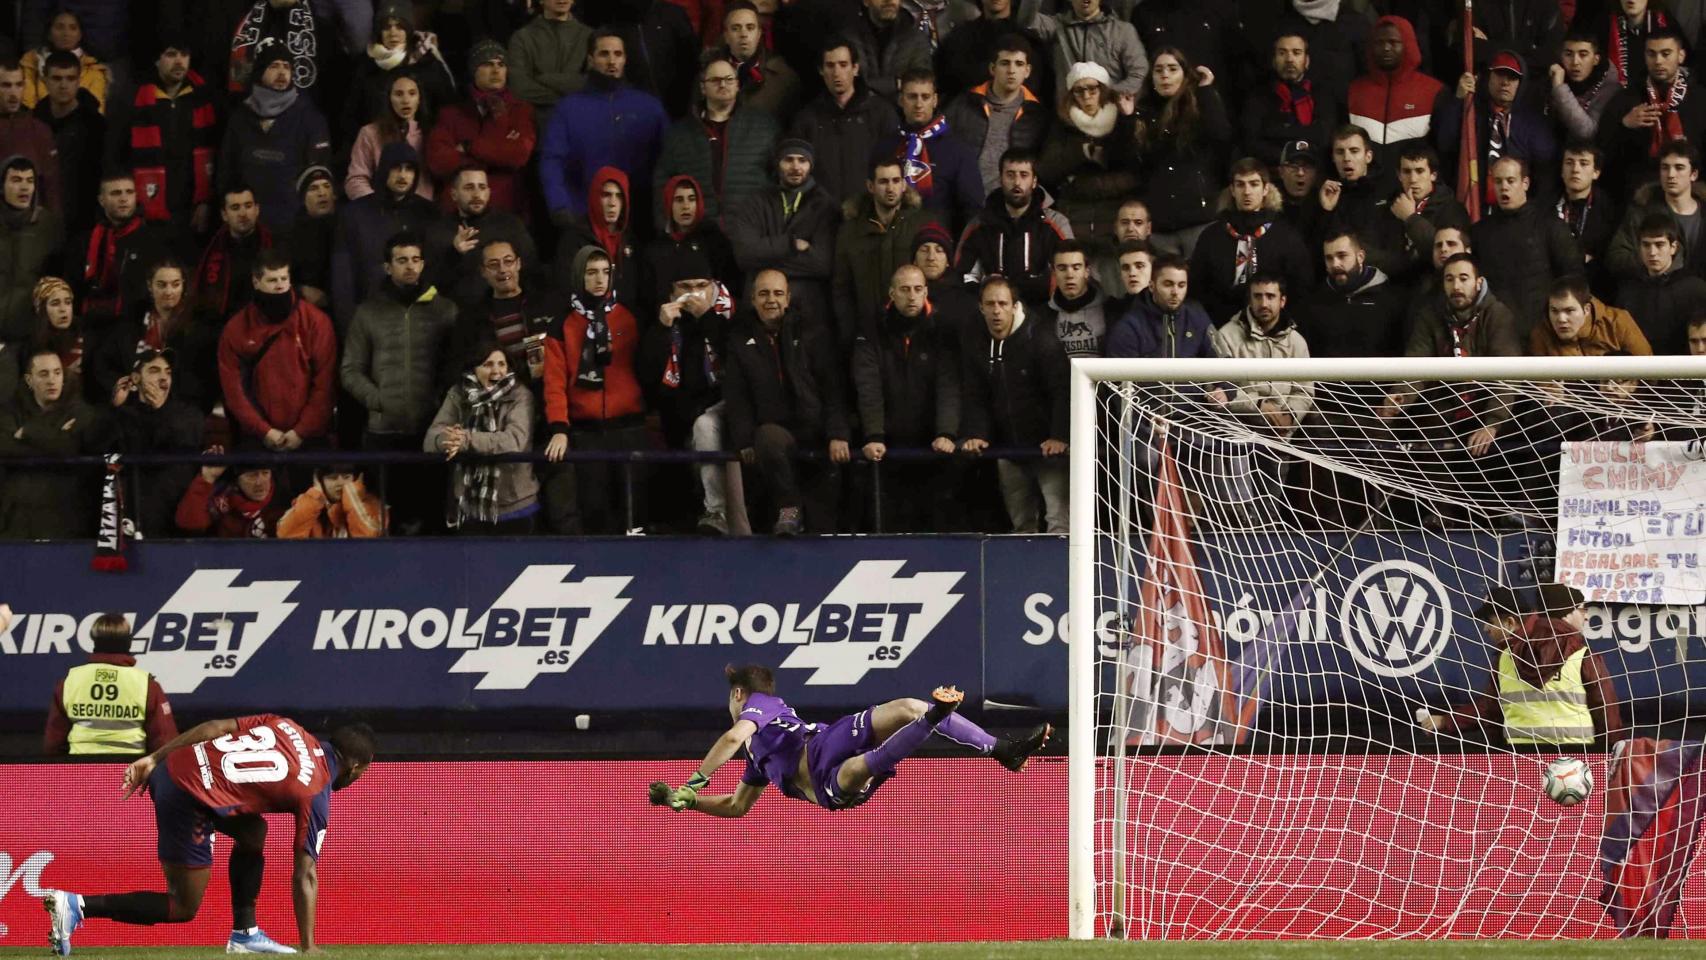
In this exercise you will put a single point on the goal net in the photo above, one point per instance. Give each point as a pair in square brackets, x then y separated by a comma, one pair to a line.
[1294, 720]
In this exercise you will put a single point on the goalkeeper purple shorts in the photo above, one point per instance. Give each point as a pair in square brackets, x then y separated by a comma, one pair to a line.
[828, 750]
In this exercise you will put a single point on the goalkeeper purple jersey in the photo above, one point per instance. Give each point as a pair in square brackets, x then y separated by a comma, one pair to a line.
[773, 753]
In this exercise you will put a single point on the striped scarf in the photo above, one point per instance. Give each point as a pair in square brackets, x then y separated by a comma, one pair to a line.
[915, 155]
[478, 499]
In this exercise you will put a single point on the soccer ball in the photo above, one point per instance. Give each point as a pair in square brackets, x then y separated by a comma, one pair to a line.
[1568, 781]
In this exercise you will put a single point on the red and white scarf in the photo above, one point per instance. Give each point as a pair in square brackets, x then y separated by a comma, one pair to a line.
[1670, 123]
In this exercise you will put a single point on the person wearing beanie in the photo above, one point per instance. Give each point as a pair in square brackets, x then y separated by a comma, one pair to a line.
[610, 123]
[491, 128]
[272, 137]
[1091, 160]
[366, 224]
[844, 122]
[593, 399]
[790, 227]
[548, 55]
[299, 27]
[396, 48]
[313, 235]
[278, 364]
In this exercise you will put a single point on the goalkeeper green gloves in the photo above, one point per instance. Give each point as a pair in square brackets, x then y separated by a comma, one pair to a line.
[682, 797]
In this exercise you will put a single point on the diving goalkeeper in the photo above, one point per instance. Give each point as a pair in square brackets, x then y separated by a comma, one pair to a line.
[837, 765]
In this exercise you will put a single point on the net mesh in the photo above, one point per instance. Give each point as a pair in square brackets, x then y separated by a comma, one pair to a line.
[1290, 580]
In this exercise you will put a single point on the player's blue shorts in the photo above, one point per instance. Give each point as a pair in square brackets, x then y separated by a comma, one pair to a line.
[829, 749]
[184, 825]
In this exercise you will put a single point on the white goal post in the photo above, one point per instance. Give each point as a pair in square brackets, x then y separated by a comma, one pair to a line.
[1089, 742]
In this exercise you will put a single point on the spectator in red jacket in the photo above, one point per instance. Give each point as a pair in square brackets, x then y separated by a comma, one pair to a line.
[1393, 102]
[493, 128]
[592, 393]
[278, 362]
[247, 508]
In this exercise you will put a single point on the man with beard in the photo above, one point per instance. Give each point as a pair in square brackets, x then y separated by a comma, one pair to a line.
[1356, 313]
[1251, 239]
[1394, 100]
[790, 227]
[29, 239]
[1290, 107]
[786, 392]
[1641, 120]
[1357, 201]
[115, 254]
[221, 279]
[1525, 245]
[767, 83]
[313, 235]
[1582, 87]
[875, 238]
[492, 128]
[366, 224]
[1263, 330]
[610, 123]
[1016, 233]
[273, 135]
[940, 167]
[393, 365]
[456, 240]
[79, 134]
[1163, 322]
[168, 138]
[906, 380]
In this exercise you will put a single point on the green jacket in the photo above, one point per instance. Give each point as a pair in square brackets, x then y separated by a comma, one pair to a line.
[45, 503]
[547, 59]
[28, 240]
[866, 256]
[394, 359]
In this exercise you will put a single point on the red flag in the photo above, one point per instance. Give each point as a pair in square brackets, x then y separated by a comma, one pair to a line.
[1188, 676]
[1468, 139]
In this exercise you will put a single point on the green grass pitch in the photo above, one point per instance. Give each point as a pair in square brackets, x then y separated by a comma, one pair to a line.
[1051, 950]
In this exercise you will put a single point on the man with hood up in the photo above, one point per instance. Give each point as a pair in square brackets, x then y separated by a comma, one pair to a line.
[593, 399]
[686, 228]
[273, 135]
[366, 224]
[1393, 102]
[609, 123]
[608, 226]
[1250, 238]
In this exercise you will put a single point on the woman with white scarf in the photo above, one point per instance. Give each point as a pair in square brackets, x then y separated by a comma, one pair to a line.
[487, 413]
[1089, 165]
[397, 47]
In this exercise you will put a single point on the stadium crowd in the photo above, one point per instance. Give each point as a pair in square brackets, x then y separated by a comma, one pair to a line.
[805, 231]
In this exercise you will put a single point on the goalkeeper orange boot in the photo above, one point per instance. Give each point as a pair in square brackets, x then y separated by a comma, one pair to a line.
[1014, 754]
[945, 700]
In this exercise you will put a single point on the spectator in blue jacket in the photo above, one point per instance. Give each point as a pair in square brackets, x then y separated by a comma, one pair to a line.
[1162, 321]
[273, 137]
[606, 124]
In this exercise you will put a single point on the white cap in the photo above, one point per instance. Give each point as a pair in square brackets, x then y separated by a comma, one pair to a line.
[1090, 71]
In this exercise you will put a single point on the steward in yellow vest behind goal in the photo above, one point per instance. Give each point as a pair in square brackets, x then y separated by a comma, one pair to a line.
[108, 706]
[1548, 690]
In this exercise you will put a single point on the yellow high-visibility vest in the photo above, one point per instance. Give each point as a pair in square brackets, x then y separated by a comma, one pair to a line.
[108, 707]
[1556, 713]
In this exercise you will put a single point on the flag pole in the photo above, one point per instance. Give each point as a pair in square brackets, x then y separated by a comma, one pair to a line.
[1468, 147]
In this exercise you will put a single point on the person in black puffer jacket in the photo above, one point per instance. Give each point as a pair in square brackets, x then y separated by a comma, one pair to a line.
[1182, 138]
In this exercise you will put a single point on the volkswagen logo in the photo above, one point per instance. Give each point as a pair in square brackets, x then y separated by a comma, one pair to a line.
[1397, 618]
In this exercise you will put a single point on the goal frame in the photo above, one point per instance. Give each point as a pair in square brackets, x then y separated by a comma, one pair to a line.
[1081, 552]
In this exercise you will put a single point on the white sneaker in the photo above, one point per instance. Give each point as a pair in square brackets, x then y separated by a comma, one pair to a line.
[257, 942]
[65, 914]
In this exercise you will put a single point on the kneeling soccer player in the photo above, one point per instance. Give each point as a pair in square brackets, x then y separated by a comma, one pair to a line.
[233, 772]
[835, 765]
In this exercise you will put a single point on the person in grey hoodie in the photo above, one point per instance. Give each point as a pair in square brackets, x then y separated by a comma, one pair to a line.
[1089, 33]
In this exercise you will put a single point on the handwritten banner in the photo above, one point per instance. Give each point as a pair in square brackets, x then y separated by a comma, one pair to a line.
[1631, 517]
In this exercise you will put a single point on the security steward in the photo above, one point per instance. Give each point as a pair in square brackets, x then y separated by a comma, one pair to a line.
[109, 706]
